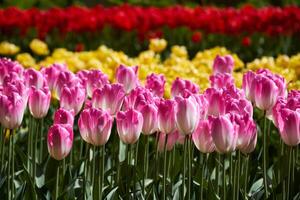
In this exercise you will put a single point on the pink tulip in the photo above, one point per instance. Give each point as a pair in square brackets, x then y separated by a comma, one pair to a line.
[62, 116]
[72, 98]
[202, 106]
[239, 106]
[286, 116]
[34, 78]
[95, 126]
[39, 102]
[202, 137]
[187, 114]
[65, 79]
[180, 86]
[216, 101]
[166, 116]
[8, 66]
[60, 140]
[149, 113]
[83, 76]
[171, 141]
[127, 76]
[95, 79]
[51, 74]
[263, 88]
[223, 64]
[110, 98]
[247, 133]
[219, 81]
[138, 98]
[224, 134]
[12, 108]
[129, 125]
[156, 84]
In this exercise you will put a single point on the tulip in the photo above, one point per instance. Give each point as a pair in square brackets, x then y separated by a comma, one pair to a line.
[223, 64]
[263, 88]
[34, 78]
[65, 79]
[39, 102]
[171, 141]
[138, 98]
[129, 125]
[51, 74]
[239, 106]
[187, 114]
[288, 122]
[127, 76]
[166, 116]
[219, 81]
[12, 108]
[62, 116]
[149, 113]
[8, 66]
[224, 133]
[202, 137]
[95, 79]
[83, 76]
[109, 98]
[156, 84]
[180, 86]
[60, 140]
[216, 101]
[95, 126]
[72, 98]
[247, 134]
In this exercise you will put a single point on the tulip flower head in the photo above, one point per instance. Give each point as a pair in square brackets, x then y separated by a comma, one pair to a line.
[127, 76]
[156, 84]
[202, 137]
[129, 125]
[166, 116]
[39, 102]
[60, 140]
[63, 116]
[223, 64]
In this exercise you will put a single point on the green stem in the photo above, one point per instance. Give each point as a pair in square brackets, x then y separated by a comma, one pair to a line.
[234, 179]
[9, 169]
[246, 176]
[265, 158]
[29, 143]
[238, 176]
[184, 163]
[94, 169]
[156, 178]
[135, 167]
[189, 189]
[36, 134]
[146, 162]
[101, 176]
[202, 164]
[289, 172]
[128, 163]
[217, 174]
[3, 147]
[165, 168]
[224, 177]
[1, 144]
[57, 183]
[41, 140]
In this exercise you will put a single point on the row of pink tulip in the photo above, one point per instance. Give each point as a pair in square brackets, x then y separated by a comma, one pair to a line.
[219, 119]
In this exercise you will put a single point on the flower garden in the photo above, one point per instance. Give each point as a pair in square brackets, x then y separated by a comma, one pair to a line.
[144, 100]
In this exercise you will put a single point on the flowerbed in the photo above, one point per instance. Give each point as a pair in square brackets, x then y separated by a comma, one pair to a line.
[83, 136]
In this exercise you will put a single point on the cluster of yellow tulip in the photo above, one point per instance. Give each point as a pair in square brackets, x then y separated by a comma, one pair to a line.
[178, 64]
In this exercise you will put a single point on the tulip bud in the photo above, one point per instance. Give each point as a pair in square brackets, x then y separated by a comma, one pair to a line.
[95, 126]
[72, 98]
[223, 64]
[60, 140]
[156, 84]
[127, 76]
[62, 116]
[129, 125]
[109, 98]
[187, 114]
[39, 102]
[149, 113]
[224, 133]
[180, 86]
[202, 137]
[34, 78]
[95, 79]
[166, 116]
